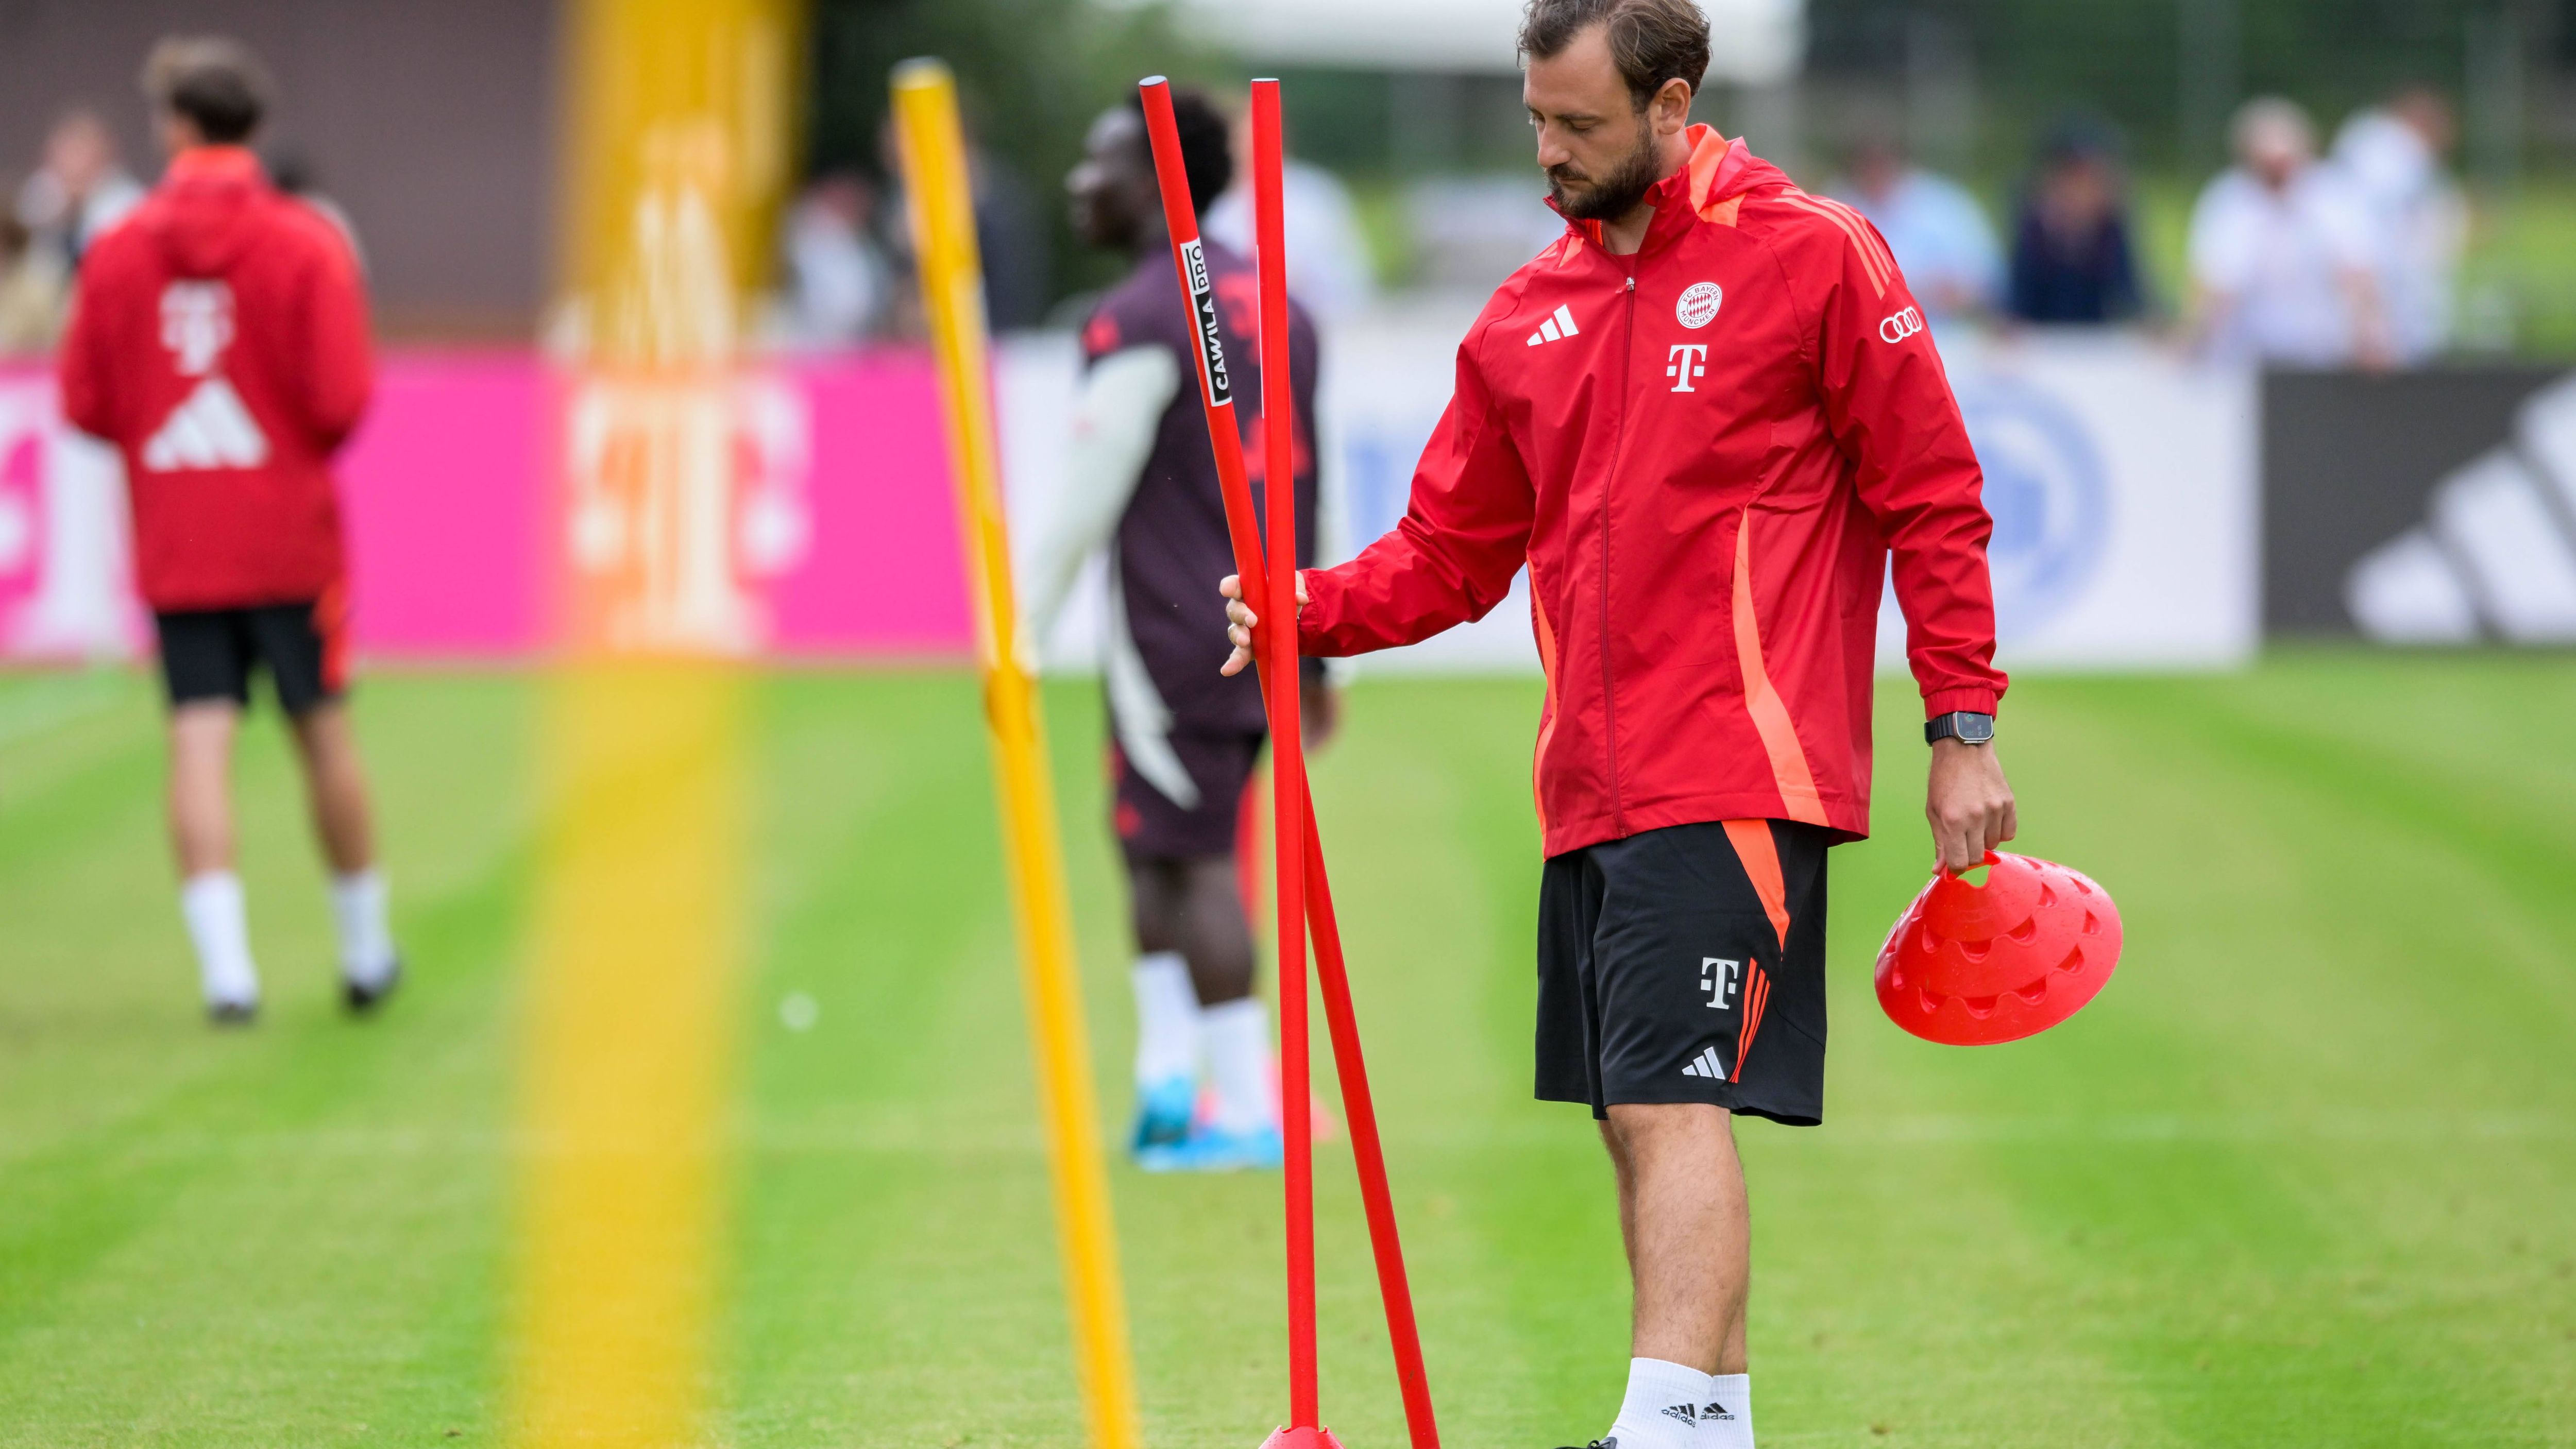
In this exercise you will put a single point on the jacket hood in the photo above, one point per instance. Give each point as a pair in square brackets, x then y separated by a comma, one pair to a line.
[204, 211]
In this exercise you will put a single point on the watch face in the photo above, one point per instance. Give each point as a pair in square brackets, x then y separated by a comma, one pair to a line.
[1975, 729]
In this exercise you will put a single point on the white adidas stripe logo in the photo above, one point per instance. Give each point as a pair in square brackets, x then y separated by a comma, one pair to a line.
[2496, 553]
[211, 429]
[1560, 324]
[1707, 1066]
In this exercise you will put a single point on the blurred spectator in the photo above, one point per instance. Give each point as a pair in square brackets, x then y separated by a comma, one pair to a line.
[2281, 253]
[292, 173]
[32, 290]
[1939, 234]
[79, 189]
[838, 285]
[1328, 256]
[2072, 260]
[2391, 157]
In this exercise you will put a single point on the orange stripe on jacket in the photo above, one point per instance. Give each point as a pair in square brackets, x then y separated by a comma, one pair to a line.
[1874, 260]
[1753, 846]
[1862, 232]
[1789, 771]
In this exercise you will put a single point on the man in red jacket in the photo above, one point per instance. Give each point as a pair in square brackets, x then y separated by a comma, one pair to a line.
[219, 340]
[1705, 419]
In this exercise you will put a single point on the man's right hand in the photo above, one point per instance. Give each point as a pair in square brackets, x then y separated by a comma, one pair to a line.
[1240, 619]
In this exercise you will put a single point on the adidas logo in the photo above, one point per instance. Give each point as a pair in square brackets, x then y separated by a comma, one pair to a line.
[2495, 554]
[1715, 1411]
[211, 429]
[1683, 1412]
[1707, 1065]
[1559, 324]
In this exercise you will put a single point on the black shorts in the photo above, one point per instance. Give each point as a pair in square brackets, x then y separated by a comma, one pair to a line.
[1153, 826]
[1687, 965]
[210, 654]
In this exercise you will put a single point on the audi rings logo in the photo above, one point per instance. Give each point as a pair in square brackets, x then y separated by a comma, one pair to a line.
[1901, 326]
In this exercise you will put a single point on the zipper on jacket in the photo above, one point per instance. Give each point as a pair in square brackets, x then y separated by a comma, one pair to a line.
[1618, 445]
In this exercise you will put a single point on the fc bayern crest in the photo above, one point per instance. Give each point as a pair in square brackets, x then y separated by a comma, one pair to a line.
[1698, 306]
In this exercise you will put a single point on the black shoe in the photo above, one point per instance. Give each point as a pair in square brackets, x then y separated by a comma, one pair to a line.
[361, 999]
[231, 1013]
[1598, 1444]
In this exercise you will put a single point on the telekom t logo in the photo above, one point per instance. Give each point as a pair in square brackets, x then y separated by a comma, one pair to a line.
[1719, 978]
[1689, 360]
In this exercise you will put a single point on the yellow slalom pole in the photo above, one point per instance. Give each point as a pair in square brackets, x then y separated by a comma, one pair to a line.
[943, 230]
[675, 152]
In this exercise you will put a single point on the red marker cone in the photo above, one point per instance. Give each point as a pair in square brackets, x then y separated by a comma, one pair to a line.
[1971, 965]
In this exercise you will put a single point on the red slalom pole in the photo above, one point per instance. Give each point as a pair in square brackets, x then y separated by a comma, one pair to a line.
[1278, 640]
[1225, 438]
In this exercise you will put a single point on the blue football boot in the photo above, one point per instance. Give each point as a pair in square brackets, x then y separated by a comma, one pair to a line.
[1163, 1113]
[1213, 1149]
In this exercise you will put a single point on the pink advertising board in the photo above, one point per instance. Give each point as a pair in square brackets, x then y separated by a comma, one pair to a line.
[454, 533]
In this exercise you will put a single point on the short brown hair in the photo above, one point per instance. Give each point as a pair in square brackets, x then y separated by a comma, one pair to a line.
[1653, 41]
[213, 81]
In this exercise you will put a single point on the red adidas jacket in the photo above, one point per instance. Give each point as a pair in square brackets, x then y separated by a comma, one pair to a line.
[1706, 453]
[219, 340]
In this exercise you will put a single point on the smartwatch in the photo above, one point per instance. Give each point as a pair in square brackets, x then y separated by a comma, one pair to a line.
[1966, 727]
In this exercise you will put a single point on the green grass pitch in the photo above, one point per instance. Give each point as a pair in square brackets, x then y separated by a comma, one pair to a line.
[2304, 1175]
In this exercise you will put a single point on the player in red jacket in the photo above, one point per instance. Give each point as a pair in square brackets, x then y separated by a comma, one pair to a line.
[219, 340]
[1705, 419]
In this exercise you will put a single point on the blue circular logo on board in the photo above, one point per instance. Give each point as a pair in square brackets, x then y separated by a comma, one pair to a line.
[2047, 491]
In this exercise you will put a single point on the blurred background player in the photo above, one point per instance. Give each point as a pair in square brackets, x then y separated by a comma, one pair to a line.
[219, 340]
[1184, 738]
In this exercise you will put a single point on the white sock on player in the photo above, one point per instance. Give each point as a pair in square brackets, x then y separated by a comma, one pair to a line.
[219, 924]
[1237, 1037]
[1662, 1407]
[1167, 1019]
[366, 940]
[1726, 1415]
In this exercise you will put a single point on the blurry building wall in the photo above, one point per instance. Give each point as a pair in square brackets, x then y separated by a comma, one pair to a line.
[431, 124]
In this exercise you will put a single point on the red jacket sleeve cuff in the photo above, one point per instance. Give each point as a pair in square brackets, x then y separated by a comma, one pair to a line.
[1323, 610]
[1975, 699]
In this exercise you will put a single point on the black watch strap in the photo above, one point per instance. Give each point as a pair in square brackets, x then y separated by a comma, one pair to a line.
[1965, 726]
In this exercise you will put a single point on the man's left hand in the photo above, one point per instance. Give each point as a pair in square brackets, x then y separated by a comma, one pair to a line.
[1969, 804]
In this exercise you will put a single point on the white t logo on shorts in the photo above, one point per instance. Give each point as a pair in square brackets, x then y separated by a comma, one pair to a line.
[1718, 977]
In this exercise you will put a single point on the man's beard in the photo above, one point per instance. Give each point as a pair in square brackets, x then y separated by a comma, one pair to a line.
[1612, 196]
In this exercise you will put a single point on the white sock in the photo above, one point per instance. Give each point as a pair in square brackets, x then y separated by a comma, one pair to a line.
[1662, 1407]
[220, 926]
[1726, 1415]
[366, 941]
[1167, 1019]
[1237, 1035]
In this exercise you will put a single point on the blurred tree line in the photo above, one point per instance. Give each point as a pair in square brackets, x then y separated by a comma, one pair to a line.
[1031, 75]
